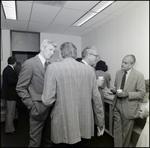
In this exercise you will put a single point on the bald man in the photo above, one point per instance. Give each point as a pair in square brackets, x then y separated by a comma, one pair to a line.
[126, 105]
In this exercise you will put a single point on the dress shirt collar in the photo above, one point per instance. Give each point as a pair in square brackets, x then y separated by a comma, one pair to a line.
[85, 62]
[11, 66]
[42, 59]
[128, 72]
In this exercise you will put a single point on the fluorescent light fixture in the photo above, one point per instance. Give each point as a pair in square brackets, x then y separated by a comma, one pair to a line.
[100, 6]
[92, 12]
[85, 18]
[9, 9]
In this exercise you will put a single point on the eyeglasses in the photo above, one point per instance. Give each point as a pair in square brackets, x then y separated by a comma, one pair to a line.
[94, 55]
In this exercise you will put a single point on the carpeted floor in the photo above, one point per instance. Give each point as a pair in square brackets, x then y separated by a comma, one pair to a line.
[22, 139]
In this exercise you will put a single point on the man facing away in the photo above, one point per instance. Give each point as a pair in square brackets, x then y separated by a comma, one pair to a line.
[30, 88]
[9, 93]
[126, 105]
[71, 87]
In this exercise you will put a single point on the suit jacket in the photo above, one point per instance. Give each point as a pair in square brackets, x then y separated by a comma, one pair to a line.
[72, 87]
[30, 87]
[135, 86]
[10, 79]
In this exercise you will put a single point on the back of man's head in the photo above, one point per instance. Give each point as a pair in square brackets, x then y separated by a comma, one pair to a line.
[68, 50]
[11, 60]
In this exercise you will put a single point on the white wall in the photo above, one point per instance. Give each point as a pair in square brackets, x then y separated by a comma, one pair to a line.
[59, 39]
[126, 34]
[5, 50]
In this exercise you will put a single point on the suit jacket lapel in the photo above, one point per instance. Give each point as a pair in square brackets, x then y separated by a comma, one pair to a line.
[130, 79]
[39, 65]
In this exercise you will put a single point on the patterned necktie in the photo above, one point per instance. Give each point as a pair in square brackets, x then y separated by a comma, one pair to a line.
[123, 80]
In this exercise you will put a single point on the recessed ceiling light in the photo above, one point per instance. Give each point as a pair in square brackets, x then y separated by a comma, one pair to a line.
[84, 19]
[101, 6]
[9, 9]
[92, 12]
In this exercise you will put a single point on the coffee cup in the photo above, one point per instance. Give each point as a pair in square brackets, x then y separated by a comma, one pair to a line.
[119, 90]
[101, 78]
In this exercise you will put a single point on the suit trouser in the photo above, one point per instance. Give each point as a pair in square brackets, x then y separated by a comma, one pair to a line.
[82, 143]
[122, 126]
[40, 133]
[10, 115]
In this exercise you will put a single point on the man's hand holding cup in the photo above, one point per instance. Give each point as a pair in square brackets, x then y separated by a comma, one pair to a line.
[121, 93]
[100, 81]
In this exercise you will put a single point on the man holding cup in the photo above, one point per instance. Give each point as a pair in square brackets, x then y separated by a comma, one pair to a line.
[90, 57]
[129, 89]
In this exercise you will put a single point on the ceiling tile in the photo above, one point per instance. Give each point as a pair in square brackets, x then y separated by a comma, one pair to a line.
[37, 27]
[23, 10]
[56, 28]
[68, 16]
[127, 7]
[52, 3]
[73, 30]
[106, 19]
[28, 1]
[80, 5]
[17, 25]
[44, 13]
[115, 7]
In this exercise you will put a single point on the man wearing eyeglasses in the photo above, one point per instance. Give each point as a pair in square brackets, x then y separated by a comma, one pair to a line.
[90, 57]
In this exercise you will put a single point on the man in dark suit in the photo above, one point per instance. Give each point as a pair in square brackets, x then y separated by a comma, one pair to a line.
[127, 102]
[30, 88]
[9, 93]
[71, 88]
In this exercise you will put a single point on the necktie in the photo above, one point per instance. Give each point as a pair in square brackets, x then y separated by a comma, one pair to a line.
[45, 65]
[123, 80]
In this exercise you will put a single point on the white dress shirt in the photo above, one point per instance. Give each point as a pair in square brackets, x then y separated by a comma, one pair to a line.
[42, 60]
[127, 75]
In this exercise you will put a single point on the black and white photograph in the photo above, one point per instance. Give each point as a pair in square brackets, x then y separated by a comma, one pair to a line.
[74, 73]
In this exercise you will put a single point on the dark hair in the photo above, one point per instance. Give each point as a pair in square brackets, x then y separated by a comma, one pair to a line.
[18, 68]
[101, 65]
[11, 60]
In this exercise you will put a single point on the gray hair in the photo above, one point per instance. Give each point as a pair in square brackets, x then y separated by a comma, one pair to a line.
[68, 49]
[45, 43]
[87, 50]
[133, 57]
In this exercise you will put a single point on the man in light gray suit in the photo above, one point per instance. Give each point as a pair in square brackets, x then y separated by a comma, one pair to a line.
[126, 105]
[30, 88]
[90, 57]
[72, 89]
